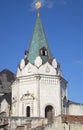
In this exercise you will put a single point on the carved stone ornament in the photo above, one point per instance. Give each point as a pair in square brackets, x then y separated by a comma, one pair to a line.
[14, 99]
[54, 63]
[22, 64]
[29, 69]
[38, 61]
[28, 96]
[47, 69]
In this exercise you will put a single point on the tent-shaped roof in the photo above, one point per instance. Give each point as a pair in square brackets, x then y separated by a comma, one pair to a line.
[38, 43]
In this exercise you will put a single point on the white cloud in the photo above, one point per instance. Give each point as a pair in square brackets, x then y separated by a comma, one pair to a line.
[62, 2]
[50, 3]
[79, 62]
[46, 3]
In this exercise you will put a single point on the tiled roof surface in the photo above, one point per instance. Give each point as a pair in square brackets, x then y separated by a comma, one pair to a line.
[37, 42]
[72, 119]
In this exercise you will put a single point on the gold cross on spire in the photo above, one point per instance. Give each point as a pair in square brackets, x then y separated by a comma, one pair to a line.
[38, 5]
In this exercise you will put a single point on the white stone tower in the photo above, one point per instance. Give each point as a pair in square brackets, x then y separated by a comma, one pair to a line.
[40, 88]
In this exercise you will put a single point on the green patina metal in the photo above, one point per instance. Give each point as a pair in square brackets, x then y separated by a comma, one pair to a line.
[37, 42]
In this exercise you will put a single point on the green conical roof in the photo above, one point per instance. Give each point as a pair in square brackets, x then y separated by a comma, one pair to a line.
[38, 44]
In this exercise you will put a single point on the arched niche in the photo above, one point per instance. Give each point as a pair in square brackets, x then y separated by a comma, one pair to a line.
[49, 113]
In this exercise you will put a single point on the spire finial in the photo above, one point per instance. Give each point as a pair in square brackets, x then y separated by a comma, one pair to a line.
[38, 6]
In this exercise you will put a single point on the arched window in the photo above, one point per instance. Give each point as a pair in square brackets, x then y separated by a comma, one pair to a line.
[43, 51]
[49, 113]
[28, 111]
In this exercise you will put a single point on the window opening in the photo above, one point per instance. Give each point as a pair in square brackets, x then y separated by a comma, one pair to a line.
[44, 51]
[28, 111]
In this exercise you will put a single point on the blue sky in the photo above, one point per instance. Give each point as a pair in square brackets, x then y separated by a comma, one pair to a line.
[63, 24]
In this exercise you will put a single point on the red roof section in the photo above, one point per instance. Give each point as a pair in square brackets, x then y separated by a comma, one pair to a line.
[72, 119]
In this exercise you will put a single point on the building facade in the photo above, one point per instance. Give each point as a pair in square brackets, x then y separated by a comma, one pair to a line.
[38, 92]
[39, 88]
